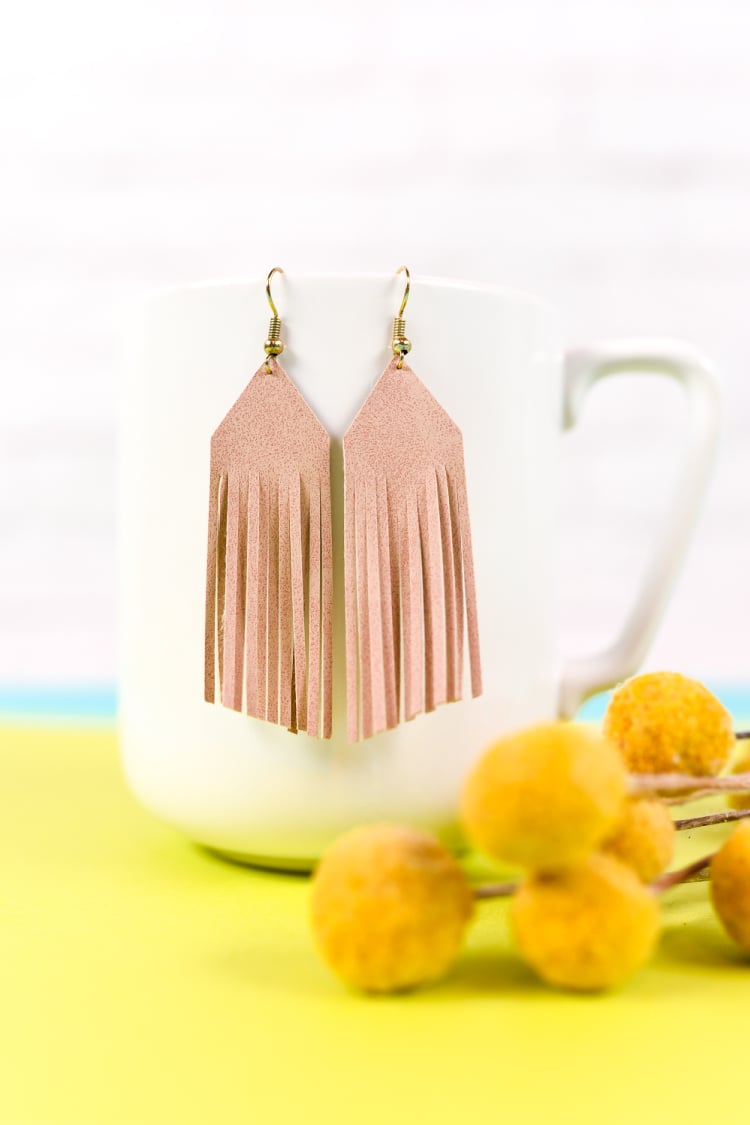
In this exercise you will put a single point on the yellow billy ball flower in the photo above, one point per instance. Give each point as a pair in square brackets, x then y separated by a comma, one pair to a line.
[544, 797]
[588, 927]
[389, 908]
[643, 837]
[730, 885]
[663, 722]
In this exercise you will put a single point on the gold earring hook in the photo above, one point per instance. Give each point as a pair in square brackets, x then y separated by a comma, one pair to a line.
[276, 269]
[274, 345]
[400, 345]
[404, 269]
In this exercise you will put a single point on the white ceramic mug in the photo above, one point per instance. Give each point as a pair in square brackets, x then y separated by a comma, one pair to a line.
[495, 360]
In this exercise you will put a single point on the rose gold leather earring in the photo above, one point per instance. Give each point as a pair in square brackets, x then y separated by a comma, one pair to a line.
[409, 572]
[268, 575]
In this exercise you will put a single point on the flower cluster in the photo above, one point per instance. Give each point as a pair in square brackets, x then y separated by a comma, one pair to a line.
[584, 814]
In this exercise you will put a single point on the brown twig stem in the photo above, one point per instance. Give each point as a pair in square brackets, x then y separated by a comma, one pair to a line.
[685, 874]
[495, 890]
[643, 783]
[692, 872]
[723, 817]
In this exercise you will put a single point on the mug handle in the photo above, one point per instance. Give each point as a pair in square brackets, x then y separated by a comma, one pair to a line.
[582, 677]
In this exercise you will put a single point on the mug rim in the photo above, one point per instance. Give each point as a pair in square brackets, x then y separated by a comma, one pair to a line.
[522, 296]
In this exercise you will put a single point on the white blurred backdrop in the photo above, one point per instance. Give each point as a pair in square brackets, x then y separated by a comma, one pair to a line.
[595, 153]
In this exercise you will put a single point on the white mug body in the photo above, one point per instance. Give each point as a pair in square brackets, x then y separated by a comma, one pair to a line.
[494, 359]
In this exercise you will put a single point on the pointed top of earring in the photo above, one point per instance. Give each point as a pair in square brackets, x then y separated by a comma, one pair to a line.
[274, 345]
[400, 345]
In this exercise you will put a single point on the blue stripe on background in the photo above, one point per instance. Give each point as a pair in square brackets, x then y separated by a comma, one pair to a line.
[101, 702]
[60, 702]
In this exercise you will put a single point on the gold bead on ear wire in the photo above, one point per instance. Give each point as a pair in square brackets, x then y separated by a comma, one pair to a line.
[274, 345]
[400, 345]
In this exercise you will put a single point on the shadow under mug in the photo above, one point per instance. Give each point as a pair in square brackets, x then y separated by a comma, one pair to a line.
[496, 362]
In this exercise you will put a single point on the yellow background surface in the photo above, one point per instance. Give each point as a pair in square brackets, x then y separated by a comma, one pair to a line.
[143, 980]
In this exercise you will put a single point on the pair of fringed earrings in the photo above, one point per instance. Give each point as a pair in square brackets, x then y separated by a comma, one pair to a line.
[408, 567]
